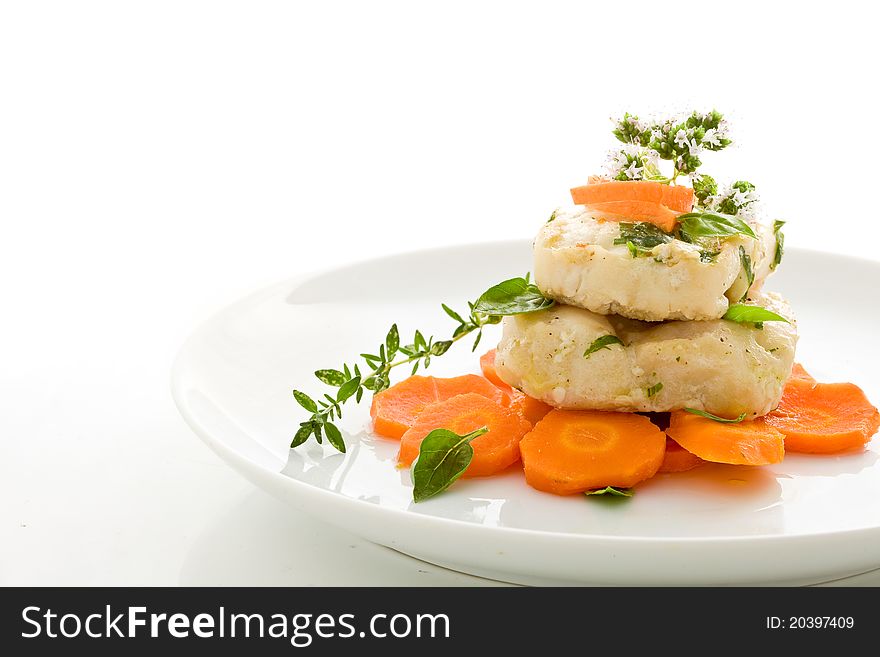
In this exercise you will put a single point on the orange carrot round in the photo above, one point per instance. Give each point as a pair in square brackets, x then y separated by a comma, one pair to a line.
[798, 372]
[675, 197]
[533, 410]
[654, 213]
[823, 418]
[487, 365]
[493, 451]
[395, 410]
[575, 451]
[530, 408]
[744, 443]
[678, 459]
[635, 200]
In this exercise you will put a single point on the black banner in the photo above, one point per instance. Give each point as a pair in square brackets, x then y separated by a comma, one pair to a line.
[430, 621]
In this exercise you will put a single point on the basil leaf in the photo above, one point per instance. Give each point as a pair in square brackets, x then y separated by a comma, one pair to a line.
[746, 261]
[334, 437]
[780, 243]
[602, 343]
[710, 416]
[641, 237]
[443, 457]
[331, 377]
[512, 297]
[741, 313]
[709, 256]
[611, 490]
[305, 401]
[654, 389]
[695, 225]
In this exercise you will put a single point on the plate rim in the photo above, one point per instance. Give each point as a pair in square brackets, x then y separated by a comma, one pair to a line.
[250, 469]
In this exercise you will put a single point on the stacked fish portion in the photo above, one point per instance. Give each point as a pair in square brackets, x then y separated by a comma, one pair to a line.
[644, 325]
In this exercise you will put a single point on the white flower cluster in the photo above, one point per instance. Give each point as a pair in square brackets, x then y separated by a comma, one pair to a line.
[735, 201]
[630, 162]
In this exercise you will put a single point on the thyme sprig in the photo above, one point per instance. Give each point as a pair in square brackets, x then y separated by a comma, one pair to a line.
[353, 380]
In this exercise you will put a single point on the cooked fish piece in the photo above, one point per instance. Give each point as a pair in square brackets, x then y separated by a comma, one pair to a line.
[577, 263]
[717, 365]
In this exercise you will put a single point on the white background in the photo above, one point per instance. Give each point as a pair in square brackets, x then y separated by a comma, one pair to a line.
[161, 159]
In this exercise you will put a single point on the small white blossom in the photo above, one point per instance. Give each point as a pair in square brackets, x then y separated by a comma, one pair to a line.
[693, 147]
[742, 199]
[650, 157]
[711, 137]
[633, 172]
[681, 139]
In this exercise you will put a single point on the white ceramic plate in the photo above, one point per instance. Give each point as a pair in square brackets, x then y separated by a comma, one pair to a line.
[806, 520]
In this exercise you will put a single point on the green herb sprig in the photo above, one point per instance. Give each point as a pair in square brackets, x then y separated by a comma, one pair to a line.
[705, 229]
[603, 342]
[511, 297]
[710, 416]
[780, 243]
[643, 237]
[756, 315]
[746, 263]
[611, 491]
[676, 140]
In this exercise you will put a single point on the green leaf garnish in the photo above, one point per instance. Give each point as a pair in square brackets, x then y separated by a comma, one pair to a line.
[710, 416]
[334, 437]
[552, 217]
[602, 343]
[512, 297]
[331, 377]
[704, 187]
[780, 243]
[443, 457]
[741, 313]
[746, 262]
[654, 389]
[738, 197]
[696, 225]
[641, 237]
[305, 401]
[611, 490]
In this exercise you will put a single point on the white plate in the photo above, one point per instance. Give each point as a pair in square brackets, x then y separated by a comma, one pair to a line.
[806, 520]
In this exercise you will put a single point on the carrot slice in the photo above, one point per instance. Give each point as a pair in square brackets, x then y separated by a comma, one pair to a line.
[635, 200]
[823, 418]
[574, 451]
[798, 372]
[487, 365]
[675, 197]
[493, 451]
[654, 213]
[745, 443]
[678, 459]
[395, 410]
[533, 410]
[530, 408]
